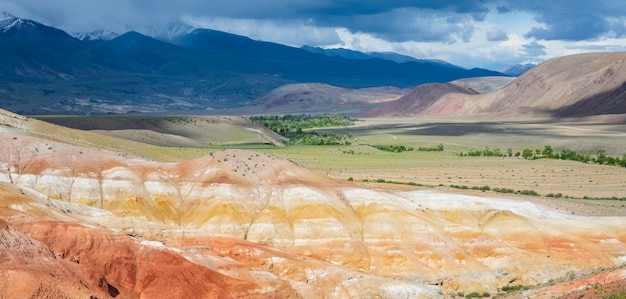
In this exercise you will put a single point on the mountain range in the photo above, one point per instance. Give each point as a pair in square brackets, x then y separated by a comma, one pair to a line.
[45, 70]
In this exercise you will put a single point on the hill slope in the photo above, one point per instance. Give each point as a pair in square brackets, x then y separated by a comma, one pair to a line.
[423, 98]
[577, 85]
[247, 224]
[320, 98]
[570, 86]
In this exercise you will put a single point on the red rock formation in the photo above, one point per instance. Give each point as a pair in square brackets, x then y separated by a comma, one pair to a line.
[338, 239]
[133, 270]
[30, 269]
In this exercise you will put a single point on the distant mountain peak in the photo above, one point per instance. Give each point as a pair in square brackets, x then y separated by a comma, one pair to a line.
[9, 21]
[533, 61]
[521, 68]
[96, 35]
[390, 56]
[166, 33]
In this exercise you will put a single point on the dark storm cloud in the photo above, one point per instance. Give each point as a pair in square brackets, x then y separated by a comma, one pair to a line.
[392, 20]
[410, 24]
[575, 19]
[496, 35]
[534, 49]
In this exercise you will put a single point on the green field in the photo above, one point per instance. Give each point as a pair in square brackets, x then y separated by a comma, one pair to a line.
[361, 160]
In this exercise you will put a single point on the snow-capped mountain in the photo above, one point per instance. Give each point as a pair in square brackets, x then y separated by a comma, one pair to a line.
[9, 21]
[534, 61]
[520, 68]
[174, 31]
[96, 35]
[167, 33]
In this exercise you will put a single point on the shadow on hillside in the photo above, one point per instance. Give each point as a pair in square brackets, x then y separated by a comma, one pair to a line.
[461, 129]
[610, 102]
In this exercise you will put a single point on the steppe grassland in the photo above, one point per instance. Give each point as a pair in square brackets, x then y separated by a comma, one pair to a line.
[544, 176]
[360, 161]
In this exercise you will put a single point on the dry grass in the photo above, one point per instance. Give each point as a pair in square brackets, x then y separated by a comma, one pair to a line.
[545, 176]
[363, 162]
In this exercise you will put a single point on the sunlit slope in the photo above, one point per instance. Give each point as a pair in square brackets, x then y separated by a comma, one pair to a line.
[460, 242]
[158, 138]
[575, 85]
[569, 86]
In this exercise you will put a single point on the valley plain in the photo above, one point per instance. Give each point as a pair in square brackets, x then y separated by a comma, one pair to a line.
[362, 161]
[150, 172]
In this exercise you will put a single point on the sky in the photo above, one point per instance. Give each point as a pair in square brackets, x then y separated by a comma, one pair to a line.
[483, 33]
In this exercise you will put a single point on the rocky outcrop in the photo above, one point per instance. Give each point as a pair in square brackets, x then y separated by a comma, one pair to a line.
[136, 270]
[30, 269]
[276, 229]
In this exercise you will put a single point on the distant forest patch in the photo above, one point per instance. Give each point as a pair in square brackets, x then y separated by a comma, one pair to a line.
[293, 127]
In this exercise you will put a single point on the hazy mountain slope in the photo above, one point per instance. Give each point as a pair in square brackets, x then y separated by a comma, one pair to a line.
[46, 71]
[483, 84]
[576, 85]
[351, 54]
[321, 98]
[241, 54]
[139, 53]
[517, 70]
[570, 86]
[421, 99]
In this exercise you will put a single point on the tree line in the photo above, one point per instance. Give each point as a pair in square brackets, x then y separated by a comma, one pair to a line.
[548, 152]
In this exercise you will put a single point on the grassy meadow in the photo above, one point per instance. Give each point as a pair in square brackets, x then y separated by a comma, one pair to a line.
[187, 137]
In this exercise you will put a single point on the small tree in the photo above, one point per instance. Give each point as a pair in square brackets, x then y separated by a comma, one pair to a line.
[17, 157]
[527, 153]
[547, 151]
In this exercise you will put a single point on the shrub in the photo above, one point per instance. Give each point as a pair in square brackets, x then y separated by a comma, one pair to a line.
[393, 148]
[528, 192]
[438, 148]
[473, 295]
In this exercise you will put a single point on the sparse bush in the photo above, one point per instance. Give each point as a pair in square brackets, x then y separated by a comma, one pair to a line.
[528, 192]
[503, 190]
[473, 295]
[438, 148]
[393, 148]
